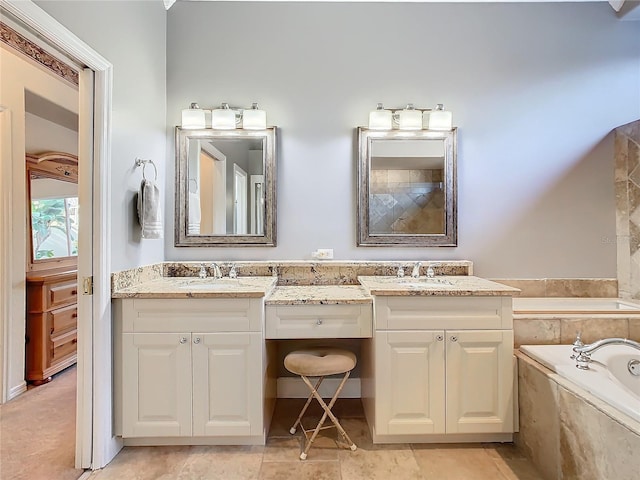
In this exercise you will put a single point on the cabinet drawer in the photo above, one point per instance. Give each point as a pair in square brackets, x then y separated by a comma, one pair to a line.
[428, 313]
[62, 319]
[62, 293]
[319, 321]
[192, 315]
[64, 346]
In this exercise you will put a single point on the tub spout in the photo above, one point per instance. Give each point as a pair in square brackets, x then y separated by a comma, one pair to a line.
[584, 352]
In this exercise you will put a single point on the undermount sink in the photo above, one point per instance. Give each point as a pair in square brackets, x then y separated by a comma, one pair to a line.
[210, 284]
[422, 281]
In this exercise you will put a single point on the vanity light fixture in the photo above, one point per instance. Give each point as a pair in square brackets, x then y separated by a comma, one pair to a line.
[410, 118]
[380, 119]
[254, 118]
[438, 119]
[223, 118]
[193, 117]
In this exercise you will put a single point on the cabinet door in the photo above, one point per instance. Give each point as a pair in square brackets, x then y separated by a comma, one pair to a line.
[409, 382]
[479, 381]
[227, 384]
[156, 384]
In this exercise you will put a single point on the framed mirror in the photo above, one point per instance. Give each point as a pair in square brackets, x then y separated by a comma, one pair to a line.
[52, 188]
[225, 187]
[407, 188]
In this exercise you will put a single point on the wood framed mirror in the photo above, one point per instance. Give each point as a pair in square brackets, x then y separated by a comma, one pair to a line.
[407, 188]
[52, 210]
[225, 187]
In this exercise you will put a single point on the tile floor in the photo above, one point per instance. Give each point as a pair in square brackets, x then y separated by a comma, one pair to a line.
[278, 460]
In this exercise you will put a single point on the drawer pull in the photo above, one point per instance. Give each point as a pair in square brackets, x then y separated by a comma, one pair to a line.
[196, 340]
[183, 340]
[74, 292]
[74, 315]
[319, 321]
[454, 338]
[75, 340]
[439, 338]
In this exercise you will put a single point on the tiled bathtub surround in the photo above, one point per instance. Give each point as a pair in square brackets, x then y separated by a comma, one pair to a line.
[555, 330]
[568, 433]
[290, 272]
[627, 187]
[563, 287]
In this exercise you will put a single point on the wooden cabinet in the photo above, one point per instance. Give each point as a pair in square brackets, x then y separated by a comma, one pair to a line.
[440, 382]
[192, 368]
[51, 330]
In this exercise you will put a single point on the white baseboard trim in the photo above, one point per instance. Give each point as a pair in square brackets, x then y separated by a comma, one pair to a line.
[17, 390]
[294, 387]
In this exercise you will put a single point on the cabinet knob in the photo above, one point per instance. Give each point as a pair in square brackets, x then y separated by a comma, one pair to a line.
[319, 321]
[196, 340]
[439, 338]
[454, 338]
[183, 340]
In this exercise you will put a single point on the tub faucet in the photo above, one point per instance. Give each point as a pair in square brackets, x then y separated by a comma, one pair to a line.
[203, 271]
[415, 273]
[216, 270]
[584, 352]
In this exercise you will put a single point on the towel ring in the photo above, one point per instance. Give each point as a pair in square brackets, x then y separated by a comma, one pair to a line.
[140, 161]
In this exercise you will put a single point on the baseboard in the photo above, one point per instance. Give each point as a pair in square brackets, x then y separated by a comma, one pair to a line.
[17, 390]
[294, 387]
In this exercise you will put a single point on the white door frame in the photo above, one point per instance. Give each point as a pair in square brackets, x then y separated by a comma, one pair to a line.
[95, 443]
[239, 200]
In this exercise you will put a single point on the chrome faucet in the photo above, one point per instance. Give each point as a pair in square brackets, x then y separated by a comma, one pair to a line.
[203, 271]
[217, 273]
[233, 273]
[415, 273]
[430, 271]
[400, 272]
[584, 352]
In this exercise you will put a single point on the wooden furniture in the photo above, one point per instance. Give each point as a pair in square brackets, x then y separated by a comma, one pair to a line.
[51, 333]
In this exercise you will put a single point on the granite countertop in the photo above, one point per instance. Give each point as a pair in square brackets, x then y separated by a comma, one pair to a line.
[463, 285]
[319, 295]
[194, 287]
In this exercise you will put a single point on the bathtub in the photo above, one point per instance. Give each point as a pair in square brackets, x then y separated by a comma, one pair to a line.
[607, 378]
[570, 305]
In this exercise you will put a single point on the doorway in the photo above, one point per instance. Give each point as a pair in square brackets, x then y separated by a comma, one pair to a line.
[95, 445]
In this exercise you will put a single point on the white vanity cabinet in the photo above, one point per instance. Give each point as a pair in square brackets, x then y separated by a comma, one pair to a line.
[439, 367]
[192, 369]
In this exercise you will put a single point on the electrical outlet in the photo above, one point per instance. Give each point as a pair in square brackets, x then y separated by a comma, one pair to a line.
[323, 254]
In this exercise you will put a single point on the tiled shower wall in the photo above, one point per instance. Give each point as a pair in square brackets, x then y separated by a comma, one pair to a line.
[406, 201]
[627, 178]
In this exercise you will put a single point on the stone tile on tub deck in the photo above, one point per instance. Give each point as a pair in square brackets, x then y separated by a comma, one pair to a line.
[585, 455]
[634, 329]
[593, 328]
[536, 331]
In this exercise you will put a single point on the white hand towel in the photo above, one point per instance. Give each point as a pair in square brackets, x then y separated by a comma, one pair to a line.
[195, 215]
[149, 211]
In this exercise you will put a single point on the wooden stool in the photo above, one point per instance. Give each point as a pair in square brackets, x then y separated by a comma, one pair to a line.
[320, 362]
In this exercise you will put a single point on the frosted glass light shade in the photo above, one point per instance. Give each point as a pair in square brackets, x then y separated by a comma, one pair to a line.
[439, 119]
[254, 118]
[380, 119]
[193, 117]
[409, 119]
[223, 118]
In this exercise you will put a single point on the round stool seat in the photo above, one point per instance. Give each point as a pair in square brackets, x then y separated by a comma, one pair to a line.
[319, 362]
